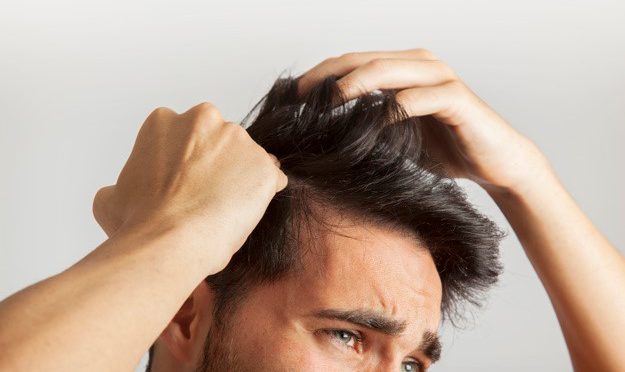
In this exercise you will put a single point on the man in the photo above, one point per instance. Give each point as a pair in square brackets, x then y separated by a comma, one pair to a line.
[348, 281]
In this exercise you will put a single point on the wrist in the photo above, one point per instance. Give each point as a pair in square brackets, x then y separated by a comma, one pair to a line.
[542, 181]
[536, 193]
[162, 243]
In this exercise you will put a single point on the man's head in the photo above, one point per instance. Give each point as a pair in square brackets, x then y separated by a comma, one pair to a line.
[354, 263]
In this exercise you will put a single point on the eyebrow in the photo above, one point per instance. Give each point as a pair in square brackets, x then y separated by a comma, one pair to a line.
[431, 346]
[365, 318]
[430, 343]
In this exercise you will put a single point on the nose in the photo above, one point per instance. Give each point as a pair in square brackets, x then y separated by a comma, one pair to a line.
[385, 366]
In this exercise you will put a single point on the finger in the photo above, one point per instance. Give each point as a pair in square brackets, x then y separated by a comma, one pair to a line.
[282, 180]
[340, 66]
[101, 208]
[204, 111]
[275, 159]
[439, 100]
[394, 74]
[102, 197]
[161, 114]
[232, 123]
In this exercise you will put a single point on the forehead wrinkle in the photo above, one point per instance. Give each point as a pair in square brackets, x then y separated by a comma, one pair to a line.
[341, 242]
[328, 261]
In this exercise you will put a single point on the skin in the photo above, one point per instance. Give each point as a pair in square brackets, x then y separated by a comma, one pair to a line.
[93, 315]
[346, 270]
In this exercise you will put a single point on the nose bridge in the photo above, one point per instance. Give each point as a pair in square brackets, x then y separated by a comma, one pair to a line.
[385, 364]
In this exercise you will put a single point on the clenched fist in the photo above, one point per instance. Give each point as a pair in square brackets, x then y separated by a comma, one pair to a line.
[193, 170]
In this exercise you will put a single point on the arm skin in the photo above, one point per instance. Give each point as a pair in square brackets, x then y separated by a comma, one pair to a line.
[584, 275]
[186, 172]
[104, 312]
[582, 272]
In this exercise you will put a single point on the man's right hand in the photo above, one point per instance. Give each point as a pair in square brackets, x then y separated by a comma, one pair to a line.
[196, 171]
[192, 190]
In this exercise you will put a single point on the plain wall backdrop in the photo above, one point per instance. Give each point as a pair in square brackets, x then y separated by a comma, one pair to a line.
[77, 80]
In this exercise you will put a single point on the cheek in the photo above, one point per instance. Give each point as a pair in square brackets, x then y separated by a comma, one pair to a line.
[281, 349]
[300, 354]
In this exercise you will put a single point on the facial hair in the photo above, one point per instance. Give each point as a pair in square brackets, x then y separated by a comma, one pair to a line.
[220, 351]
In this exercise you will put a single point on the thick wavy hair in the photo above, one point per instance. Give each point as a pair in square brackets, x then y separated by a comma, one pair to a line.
[365, 156]
[368, 158]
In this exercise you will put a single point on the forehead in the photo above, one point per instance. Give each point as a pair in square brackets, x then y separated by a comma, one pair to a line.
[367, 265]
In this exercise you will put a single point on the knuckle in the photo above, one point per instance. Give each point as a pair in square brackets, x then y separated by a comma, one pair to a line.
[205, 106]
[242, 132]
[425, 53]
[328, 61]
[447, 70]
[104, 194]
[349, 57]
[456, 86]
[402, 95]
[100, 200]
[350, 85]
[161, 112]
[404, 98]
[207, 110]
[97, 198]
[235, 130]
[202, 116]
[379, 64]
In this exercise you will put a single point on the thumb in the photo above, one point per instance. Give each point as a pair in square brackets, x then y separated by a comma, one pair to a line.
[101, 208]
[282, 179]
[275, 159]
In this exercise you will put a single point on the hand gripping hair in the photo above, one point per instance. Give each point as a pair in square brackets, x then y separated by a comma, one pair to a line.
[365, 157]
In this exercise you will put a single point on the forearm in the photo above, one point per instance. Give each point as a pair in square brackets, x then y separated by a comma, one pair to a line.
[584, 275]
[104, 312]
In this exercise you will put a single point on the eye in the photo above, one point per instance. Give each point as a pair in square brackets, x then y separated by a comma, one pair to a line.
[347, 338]
[411, 366]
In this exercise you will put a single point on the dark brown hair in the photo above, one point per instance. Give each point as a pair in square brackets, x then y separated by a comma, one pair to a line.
[365, 156]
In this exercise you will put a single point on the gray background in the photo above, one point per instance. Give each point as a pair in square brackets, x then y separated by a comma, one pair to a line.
[78, 79]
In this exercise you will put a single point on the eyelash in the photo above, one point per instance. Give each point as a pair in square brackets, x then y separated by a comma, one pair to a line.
[359, 338]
